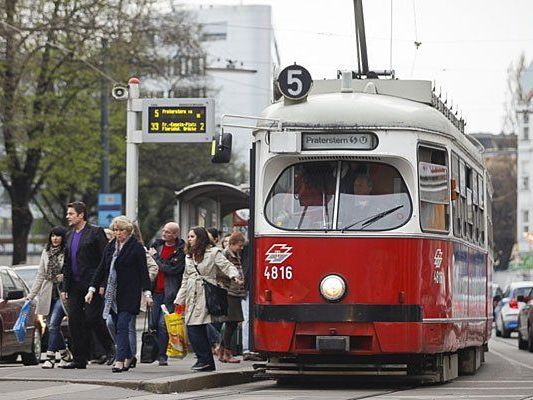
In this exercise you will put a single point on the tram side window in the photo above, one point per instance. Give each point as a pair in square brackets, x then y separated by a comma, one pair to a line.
[469, 212]
[303, 197]
[456, 208]
[481, 195]
[434, 189]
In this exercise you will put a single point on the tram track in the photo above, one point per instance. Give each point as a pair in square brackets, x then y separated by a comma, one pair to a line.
[299, 391]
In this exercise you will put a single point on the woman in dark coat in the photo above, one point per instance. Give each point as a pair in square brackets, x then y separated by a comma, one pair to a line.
[123, 274]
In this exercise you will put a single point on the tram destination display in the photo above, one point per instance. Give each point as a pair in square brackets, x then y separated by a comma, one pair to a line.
[339, 141]
[178, 120]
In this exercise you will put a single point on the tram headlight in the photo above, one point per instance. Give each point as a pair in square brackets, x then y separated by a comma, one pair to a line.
[332, 287]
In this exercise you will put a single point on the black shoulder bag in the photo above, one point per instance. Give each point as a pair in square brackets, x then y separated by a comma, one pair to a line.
[216, 298]
[149, 346]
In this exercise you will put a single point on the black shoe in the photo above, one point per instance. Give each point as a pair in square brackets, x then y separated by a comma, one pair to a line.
[133, 362]
[196, 365]
[110, 361]
[203, 368]
[75, 365]
[117, 369]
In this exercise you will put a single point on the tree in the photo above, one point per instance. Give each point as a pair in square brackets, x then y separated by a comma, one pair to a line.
[516, 94]
[49, 50]
[503, 177]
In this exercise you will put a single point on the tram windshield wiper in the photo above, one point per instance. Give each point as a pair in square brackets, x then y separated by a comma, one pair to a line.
[374, 218]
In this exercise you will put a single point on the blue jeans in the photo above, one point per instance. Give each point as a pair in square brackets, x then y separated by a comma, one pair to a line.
[122, 322]
[56, 341]
[157, 323]
[132, 332]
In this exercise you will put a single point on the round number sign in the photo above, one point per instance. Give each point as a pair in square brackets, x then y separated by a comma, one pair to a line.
[294, 82]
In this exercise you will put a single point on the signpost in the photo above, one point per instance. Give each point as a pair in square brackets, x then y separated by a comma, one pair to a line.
[109, 207]
[187, 120]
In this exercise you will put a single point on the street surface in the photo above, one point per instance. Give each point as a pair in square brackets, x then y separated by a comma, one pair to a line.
[506, 374]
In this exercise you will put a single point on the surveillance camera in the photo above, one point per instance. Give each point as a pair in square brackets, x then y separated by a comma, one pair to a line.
[120, 93]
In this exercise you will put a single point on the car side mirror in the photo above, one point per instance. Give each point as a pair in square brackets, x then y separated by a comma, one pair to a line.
[520, 298]
[497, 298]
[14, 295]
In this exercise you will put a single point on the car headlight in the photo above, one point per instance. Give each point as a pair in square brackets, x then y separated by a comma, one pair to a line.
[332, 287]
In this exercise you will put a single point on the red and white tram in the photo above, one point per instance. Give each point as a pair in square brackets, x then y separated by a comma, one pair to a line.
[370, 234]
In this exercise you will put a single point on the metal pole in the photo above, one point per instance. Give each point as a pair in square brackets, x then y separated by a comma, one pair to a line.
[104, 120]
[132, 153]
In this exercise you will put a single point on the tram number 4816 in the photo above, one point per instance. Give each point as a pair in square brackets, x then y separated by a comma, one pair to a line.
[278, 272]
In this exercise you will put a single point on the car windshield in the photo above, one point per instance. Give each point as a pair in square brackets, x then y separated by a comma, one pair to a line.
[523, 291]
[28, 275]
[371, 196]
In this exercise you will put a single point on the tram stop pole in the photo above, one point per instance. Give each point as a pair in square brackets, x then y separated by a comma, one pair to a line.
[132, 149]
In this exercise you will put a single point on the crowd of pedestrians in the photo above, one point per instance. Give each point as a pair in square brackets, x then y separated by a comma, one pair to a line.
[101, 279]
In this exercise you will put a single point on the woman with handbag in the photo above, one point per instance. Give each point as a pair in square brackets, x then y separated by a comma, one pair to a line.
[236, 294]
[46, 286]
[202, 263]
[124, 275]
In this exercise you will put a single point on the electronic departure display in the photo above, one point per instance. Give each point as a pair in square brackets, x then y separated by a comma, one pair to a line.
[177, 119]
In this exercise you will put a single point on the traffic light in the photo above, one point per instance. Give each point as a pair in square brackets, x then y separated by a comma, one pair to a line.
[221, 148]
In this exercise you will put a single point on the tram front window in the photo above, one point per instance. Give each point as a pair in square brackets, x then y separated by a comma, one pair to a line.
[372, 196]
[303, 197]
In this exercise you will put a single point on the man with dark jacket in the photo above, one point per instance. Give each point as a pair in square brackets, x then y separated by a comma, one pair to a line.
[85, 247]
[170, 258]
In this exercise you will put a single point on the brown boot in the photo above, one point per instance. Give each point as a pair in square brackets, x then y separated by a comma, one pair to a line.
[220, 354]
[228, 357]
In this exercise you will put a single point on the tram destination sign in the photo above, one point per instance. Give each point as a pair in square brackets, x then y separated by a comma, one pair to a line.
[339, 141]
[178, 120]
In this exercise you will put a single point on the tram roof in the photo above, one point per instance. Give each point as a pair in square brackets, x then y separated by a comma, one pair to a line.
[407, 104]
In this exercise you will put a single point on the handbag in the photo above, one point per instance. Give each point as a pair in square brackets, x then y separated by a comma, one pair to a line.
[149, 345]
[216, 298]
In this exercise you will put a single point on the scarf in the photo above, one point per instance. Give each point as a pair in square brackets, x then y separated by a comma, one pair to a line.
[55, 263]
[110, 296]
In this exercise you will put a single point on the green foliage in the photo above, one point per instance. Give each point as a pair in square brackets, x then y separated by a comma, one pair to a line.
[50, 104]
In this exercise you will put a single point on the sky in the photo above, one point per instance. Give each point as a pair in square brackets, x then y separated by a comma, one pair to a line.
[466, 45]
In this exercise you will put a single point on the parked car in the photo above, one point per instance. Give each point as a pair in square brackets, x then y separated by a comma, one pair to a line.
[29, 273]
[13, 292]
[525, 323]
[506, 312]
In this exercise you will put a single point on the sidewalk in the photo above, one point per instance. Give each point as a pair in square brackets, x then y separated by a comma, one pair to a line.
[176, 377]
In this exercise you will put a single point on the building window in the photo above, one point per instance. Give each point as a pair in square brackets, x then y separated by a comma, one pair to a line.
[526, 228]
[525, 216]
[526, 133]
[526, 117]
[525, 183]
[214, 31]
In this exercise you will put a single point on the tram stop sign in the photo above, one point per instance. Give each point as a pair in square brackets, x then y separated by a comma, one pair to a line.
[294, 82]
[175, 120]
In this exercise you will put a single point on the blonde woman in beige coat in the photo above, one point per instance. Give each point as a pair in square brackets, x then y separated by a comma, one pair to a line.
[203, 261]
[46, 286]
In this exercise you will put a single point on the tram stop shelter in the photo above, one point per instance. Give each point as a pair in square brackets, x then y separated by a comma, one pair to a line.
[210, 204]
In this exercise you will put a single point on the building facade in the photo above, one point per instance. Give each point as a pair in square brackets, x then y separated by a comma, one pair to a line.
[241, 57]
[524, 207]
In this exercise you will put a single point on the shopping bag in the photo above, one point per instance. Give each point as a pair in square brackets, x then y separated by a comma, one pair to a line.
[149, 344]
[20, 324]
[177, 340]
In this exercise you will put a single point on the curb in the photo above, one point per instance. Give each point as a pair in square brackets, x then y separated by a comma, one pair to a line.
[162, 385]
